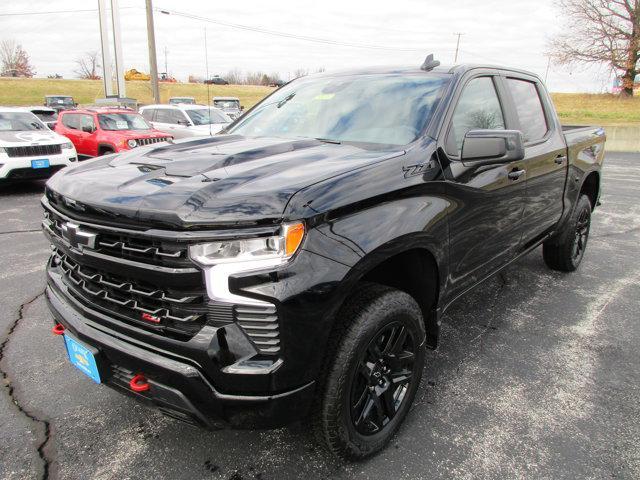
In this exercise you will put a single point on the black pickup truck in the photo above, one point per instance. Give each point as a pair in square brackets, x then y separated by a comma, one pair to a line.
[298, 265]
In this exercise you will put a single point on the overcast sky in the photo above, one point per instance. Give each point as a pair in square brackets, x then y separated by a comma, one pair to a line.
[399, 32]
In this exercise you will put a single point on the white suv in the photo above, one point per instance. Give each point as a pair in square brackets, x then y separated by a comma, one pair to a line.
[186, 120]
[28, 149]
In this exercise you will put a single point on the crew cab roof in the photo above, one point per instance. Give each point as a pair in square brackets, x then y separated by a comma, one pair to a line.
[442, 69]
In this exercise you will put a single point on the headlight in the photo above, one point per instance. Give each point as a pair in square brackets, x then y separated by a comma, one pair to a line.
[281, 246]
[67, 145]
[132, 143]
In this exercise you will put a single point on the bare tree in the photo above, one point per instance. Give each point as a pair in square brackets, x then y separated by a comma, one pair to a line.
[15, 61]
[87, 66]
[601, 31]
[234, 77]
[300, 72]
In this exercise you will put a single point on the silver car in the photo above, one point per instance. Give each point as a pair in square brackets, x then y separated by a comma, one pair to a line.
[185, 120]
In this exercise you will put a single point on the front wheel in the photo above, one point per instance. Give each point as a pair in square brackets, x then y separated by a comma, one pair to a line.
[565, 252]
[376, 369]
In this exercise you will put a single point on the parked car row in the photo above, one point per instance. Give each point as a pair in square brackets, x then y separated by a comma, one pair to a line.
[37, 141]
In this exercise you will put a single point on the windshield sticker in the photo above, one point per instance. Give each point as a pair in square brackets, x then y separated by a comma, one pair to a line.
[121, 125]
[324, 96]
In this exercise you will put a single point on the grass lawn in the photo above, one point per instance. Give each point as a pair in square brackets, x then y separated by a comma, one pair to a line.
[600, 109]
[573, 108]
[31, 91]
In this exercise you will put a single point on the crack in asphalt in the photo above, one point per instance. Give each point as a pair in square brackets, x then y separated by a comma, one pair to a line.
[46, 462]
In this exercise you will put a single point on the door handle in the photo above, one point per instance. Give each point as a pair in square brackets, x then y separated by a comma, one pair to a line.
[516, 174]
[560, 159]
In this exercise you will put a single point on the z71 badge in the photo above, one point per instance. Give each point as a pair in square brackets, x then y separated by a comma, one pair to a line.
[418, 169]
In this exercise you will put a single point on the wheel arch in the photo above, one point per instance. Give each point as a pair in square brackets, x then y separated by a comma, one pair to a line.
[410, 266]
[591, 187]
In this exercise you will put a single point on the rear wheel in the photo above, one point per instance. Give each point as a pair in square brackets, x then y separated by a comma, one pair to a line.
[565, 252]
[378, 357]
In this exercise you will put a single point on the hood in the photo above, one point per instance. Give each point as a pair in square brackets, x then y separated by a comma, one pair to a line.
[30, 137]
[223, 180]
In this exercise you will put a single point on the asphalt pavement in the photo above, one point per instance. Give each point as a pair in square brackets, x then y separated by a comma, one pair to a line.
[537, 376]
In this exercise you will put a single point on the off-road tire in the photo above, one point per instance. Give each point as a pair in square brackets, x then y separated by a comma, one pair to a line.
[370, 310]
[565, 251]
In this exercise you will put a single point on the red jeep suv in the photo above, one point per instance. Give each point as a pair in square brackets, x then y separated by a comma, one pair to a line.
[103, 131]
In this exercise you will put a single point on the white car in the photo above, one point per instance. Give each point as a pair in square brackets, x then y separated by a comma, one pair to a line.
[28, 149]
[186, 120]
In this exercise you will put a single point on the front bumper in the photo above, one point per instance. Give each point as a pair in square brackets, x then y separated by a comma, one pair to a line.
[19, 168]
[179, 388]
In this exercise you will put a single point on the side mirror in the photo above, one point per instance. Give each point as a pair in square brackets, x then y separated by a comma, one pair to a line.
[88, 128]
[241, 107]
[184, 122]
[488, 147]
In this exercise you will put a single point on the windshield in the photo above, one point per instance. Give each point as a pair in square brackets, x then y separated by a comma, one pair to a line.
[387, 109]
[206, 116]
[227, 104]
[122, 121]
[19, 122]
[60, 100]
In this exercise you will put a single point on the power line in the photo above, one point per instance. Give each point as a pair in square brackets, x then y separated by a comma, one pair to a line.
[276, 33]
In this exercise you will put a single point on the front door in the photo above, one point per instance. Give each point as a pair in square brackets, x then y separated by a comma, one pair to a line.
[487, 201]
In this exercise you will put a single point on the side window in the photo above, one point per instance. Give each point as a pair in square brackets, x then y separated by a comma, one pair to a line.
[163, 115]
[86, 121]
[478, 109]
[71, 120]
[178, 117]
[148, 114]
[529, 109]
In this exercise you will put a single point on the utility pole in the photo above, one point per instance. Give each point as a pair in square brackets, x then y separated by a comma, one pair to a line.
[107, 75]
[117, 42]
[153, 62]
[166, 68]
[455, 60]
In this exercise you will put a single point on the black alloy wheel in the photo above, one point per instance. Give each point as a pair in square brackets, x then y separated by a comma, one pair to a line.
[383, 378]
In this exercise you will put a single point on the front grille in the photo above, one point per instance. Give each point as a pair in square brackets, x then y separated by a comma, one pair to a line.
[174, 312]
[34, 150]
[148, 141]
[128, 276]
[130, 247]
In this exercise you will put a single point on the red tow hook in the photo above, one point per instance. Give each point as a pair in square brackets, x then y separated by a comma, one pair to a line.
[139, 383]
[58, 329]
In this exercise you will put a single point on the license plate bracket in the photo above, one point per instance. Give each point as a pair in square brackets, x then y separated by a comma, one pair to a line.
[84, 357]
[40, 163]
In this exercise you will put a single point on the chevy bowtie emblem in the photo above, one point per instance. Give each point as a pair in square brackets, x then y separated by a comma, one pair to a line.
[77, 237]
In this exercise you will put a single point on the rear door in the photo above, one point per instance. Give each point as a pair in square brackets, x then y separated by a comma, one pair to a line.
[487, 203]
[545, 159]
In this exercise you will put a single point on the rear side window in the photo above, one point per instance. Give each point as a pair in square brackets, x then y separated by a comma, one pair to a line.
[477, 109]
[166, 115]
[529, 108]
[71, 120]
[148, 114]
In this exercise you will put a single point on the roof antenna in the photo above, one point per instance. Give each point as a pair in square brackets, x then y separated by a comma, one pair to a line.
[429, 63]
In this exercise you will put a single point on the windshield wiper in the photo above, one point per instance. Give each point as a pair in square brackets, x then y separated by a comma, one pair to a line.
[285, 100]
[328, 140]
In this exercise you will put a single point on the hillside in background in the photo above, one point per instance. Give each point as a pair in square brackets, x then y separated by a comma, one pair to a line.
[31, 91]
[573, 108]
